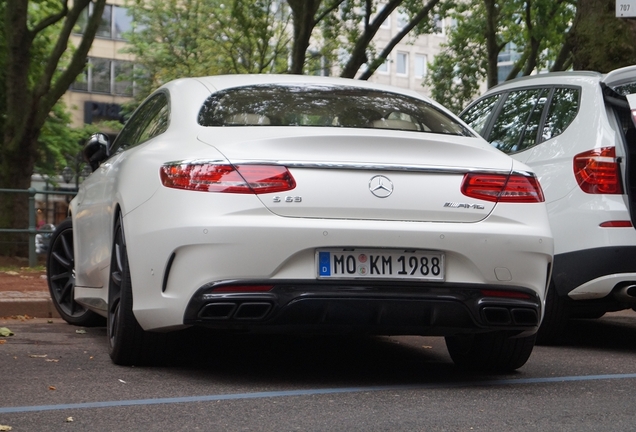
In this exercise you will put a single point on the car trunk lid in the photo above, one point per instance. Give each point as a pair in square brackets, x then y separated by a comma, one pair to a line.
[354, 174]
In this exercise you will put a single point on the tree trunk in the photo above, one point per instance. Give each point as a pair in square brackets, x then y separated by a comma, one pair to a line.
[30, 99]
[492, 48]
[303, 18]
[600, 41]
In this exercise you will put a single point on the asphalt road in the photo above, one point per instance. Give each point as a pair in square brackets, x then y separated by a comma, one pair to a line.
[51, 374]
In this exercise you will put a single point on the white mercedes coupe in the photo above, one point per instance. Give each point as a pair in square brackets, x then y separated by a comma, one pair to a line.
[303, 204]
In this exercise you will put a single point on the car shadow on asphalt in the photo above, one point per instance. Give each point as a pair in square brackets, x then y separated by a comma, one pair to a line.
[338, 361]
[615, 333]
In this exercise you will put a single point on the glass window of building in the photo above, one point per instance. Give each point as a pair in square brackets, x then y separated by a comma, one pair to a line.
[402, 63]
[420, 65]
[115, 22]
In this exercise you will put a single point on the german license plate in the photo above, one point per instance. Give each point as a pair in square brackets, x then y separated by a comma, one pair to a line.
[379, 264]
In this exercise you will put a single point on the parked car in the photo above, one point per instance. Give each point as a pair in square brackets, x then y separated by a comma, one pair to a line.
[576, 131]
[304, 204]
[43, 238]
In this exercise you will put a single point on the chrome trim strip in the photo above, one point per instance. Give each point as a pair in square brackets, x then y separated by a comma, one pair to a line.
[437, 169]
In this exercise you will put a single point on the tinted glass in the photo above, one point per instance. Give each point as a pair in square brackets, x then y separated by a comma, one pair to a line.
[148, 121]
[477, 115]
[510, 125]
[324, 106]
[100, 73]
[123, 71]
[563, 108]
[529, 136]
[625, 89]
[105, 25]
[123, 22]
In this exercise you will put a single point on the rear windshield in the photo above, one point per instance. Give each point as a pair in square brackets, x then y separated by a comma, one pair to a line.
[325, 106]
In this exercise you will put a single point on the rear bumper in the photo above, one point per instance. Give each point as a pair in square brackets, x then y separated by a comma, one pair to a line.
[593, 273]
[357, 307]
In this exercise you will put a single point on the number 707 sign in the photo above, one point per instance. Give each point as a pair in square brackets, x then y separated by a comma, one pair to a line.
[625, 8]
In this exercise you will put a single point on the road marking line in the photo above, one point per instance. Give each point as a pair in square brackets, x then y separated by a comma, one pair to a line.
[309, 392]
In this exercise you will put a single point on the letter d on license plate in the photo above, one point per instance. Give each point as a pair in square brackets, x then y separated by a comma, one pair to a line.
[379, 264]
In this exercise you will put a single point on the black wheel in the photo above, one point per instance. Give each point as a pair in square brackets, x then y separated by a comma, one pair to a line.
[557, 314]
[60, 274]
[494, 352]
[129, 344]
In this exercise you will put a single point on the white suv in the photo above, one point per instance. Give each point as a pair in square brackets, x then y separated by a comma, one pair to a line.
[576, 130]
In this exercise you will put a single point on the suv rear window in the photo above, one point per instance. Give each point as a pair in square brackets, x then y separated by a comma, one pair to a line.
[325, 106]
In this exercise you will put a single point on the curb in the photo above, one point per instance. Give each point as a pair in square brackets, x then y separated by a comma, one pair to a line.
[37, 304]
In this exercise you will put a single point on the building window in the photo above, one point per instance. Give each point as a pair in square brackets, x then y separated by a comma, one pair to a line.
[402, 20]
[384, 67]
[440, 25]
[402, 63]
[114, 23]
[420, 65]
[106, 76]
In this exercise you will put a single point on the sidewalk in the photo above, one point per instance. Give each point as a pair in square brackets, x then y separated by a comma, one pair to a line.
[24, 292]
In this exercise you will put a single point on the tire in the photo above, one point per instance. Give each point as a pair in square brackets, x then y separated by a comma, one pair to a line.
[558, 312]
[60, 275]
[129, 344]
[492, 352]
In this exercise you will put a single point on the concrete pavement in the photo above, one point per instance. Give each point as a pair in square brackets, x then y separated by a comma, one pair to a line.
[37, 304]
[25, 292]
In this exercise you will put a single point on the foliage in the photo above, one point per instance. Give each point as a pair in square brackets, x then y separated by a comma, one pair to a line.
[602, 50]
[533, 31]
[37, 67]
[184, 38]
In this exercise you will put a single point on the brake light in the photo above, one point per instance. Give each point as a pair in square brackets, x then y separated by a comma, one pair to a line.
[597, 171]
[616, 224]
[514, 188]
[240, 179]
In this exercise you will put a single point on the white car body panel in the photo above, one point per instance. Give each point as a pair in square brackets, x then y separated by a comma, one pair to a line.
[576, 216]
[211, 237]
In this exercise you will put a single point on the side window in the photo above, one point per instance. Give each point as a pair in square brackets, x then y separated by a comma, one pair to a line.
[563, 108]
[516, 126]
[477, 115]
[148, 121]
[157, 125]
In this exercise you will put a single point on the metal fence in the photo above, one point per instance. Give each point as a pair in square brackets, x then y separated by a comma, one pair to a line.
[32, 228]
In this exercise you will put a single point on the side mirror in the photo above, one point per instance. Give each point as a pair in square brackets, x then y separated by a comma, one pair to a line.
[96, 150]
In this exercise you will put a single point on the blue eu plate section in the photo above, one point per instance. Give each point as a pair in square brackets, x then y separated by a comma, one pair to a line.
[324, 263]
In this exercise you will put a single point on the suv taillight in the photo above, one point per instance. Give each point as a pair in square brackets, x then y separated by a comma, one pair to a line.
[597, 171]
[514, 188]
[240, 179]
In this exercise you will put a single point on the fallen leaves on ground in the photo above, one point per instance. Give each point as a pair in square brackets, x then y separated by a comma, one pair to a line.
[5, 332]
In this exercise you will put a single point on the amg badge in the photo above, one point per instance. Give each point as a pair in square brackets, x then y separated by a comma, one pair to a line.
[463, 205]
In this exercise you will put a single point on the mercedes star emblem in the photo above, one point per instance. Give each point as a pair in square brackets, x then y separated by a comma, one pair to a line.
[380, 186]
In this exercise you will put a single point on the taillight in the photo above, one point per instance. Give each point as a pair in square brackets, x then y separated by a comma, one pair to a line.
[597, 172]
[514, 188]
[240, 179]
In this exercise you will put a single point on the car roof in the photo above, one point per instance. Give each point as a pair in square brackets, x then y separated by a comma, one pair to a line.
[550, 78]
[222, 82]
